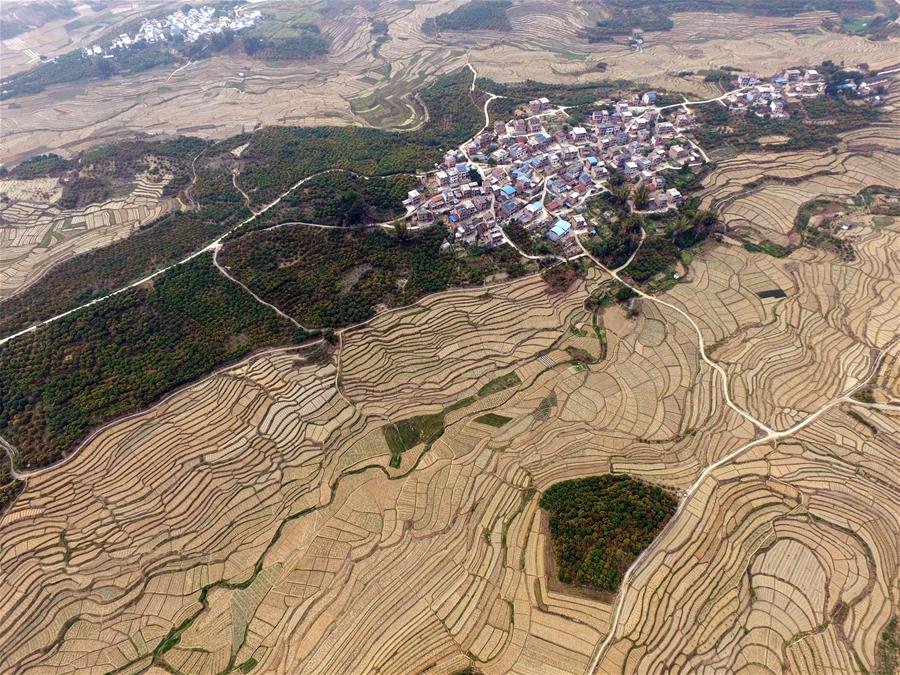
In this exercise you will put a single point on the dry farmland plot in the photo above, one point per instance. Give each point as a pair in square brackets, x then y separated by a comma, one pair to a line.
[762, 192]
[789, 180]
[786, 561]
[35, 233]
[835, 315]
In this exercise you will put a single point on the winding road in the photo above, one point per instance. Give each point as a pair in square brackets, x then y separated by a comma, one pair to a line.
[768, 436]
[211, 247]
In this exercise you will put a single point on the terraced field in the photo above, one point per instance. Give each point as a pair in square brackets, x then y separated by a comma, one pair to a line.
[369, 502]
[35, 233]
[761, 193]
[786, 560]
[263, 519]
[297, 572]
[834, 313]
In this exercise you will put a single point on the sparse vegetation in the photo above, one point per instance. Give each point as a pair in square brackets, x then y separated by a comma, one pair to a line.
[499, 384]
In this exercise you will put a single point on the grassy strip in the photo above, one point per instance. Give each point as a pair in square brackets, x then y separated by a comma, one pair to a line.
[410, 432]
[769, 248]
[493, 420]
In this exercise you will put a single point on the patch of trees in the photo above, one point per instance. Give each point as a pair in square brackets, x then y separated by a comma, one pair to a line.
[278, 157]
[332, 278]
[454, 116]
[560, 277]
[692, 226]
[679, 230]
[474, 15]
[116, 164]
[580, 94]
[687, 179]
[599, 525]
[620, 239]
[655, 255]
[83, 190]
[619, 233]
[9, 486]
[379, 28]
[307, 44]
[74, 67]
[121, 355]
[814, 124]
[43, 165]
[626, 20]
[721, 76]
[340, 198]
[519, 236]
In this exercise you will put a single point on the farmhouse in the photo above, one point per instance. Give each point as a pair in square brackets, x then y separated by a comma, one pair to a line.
[559, 230]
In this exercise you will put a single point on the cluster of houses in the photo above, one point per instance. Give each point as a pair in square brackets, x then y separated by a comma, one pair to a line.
[537, 171]
[769, 97]
[873, 88]
[190, 25]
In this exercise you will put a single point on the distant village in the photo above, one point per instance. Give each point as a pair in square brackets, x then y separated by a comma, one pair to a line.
[539, 171]
[189, 26]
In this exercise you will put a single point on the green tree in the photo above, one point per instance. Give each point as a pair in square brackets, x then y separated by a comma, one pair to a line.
[641, 196]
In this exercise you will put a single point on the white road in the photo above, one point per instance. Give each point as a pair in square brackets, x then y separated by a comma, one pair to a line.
[686, 103]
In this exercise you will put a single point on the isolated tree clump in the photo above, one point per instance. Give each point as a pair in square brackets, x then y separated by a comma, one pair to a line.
[600, 524]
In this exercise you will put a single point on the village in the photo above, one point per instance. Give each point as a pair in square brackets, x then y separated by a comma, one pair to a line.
[539, 169]
[188, 25]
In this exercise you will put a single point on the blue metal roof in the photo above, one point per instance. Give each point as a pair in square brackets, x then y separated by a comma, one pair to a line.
[561, 227]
